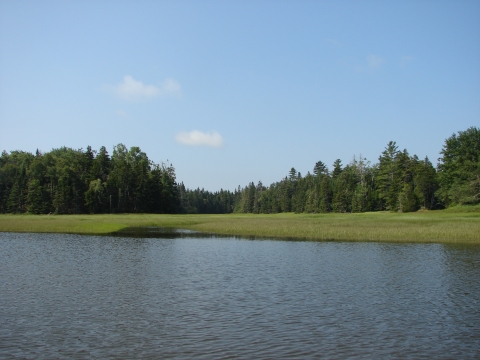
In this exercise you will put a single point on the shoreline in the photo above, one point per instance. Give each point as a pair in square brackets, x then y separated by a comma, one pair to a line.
[426, 227]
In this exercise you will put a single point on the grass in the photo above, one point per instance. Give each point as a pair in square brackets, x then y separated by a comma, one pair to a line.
[456, 225]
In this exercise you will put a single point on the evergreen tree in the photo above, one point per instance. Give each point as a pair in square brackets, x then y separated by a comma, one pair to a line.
[325, 195]
[71, 181]
[408, 201]
[320, 168]
[337, 168]
[344, 189]
[388, 180]
[459, 168]
[292, 175]
[36, 203]
[426, 184]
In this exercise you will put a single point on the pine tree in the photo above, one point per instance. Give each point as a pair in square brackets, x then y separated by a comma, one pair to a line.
[388, 181]
[337, 168]
[320, 168]
[292, 175]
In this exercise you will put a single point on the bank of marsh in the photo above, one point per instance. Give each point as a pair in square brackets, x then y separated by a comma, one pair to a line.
[429, 226]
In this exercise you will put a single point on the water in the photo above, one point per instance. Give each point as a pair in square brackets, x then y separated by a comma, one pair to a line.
[72, 296]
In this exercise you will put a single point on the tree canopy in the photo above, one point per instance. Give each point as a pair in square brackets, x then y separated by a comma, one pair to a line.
[459, 168]
[69, 181]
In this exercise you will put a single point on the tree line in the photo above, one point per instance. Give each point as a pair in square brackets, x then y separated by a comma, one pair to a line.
[398, 182]
[68, 181]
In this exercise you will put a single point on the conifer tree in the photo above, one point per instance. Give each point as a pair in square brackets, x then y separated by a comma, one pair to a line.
[459, 168]
[337, 168]
[320, 168]
[388, 180]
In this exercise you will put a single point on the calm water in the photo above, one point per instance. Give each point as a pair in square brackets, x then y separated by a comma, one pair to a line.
[69, 296]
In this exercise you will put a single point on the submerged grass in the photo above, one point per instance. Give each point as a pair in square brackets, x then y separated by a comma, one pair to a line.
[460, 225]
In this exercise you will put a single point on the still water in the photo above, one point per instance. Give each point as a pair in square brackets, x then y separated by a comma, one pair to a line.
[183, 296]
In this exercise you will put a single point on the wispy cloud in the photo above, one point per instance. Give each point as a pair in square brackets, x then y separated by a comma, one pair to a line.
[198, 138]
[131, 89]
[170, 87]
[373, 63]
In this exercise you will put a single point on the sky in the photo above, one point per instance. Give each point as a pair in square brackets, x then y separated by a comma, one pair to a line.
[233, 92]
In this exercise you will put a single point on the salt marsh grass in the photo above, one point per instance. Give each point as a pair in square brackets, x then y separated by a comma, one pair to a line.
[447, 226]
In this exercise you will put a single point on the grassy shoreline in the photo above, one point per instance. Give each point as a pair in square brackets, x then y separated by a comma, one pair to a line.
[446, 226]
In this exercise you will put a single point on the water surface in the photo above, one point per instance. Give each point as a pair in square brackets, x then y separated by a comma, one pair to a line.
[74, 296]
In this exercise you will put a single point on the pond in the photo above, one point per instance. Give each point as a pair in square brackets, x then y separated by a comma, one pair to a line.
[183, 295]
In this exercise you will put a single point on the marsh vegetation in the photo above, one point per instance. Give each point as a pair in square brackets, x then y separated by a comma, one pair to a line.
[455, 225]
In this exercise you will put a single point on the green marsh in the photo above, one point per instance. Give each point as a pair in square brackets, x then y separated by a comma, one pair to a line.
[456, 225]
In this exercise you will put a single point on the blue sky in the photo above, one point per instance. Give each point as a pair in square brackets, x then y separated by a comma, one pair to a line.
[237, 91]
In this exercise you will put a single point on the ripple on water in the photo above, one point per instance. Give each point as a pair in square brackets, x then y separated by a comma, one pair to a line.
[83, 296]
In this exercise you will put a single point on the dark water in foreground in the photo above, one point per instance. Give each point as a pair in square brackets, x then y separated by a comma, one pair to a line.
[70, 296]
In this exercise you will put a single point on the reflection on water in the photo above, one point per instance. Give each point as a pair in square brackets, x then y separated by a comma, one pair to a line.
[159, 232]
[189, 297]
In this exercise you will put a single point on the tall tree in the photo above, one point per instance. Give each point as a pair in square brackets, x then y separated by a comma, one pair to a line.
[459, 168]
[337, 168]
[320, 168]
[388, 181]
[426, 184]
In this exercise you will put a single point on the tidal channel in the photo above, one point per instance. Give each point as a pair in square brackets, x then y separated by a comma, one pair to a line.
[182, 295]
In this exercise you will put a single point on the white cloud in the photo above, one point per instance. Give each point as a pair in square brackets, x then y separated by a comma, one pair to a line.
[374, 61]
[131, 89]
[122, 113]
[198, 138]
[170, 87]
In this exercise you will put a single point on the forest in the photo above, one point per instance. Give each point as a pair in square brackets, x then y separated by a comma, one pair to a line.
[69, 181]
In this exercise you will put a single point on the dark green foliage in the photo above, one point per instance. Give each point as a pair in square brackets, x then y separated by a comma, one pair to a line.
[95, 197]
[403, 182]
[292, 175]
[205, 202]
[36, 201]
[407, 200]
[344, 187]
[398, 182]
[68, 181]
[389, 178]
[459, 168]
[364, 196]
[337, 168]
[14, 181]
[320, 168]
[426, 184]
